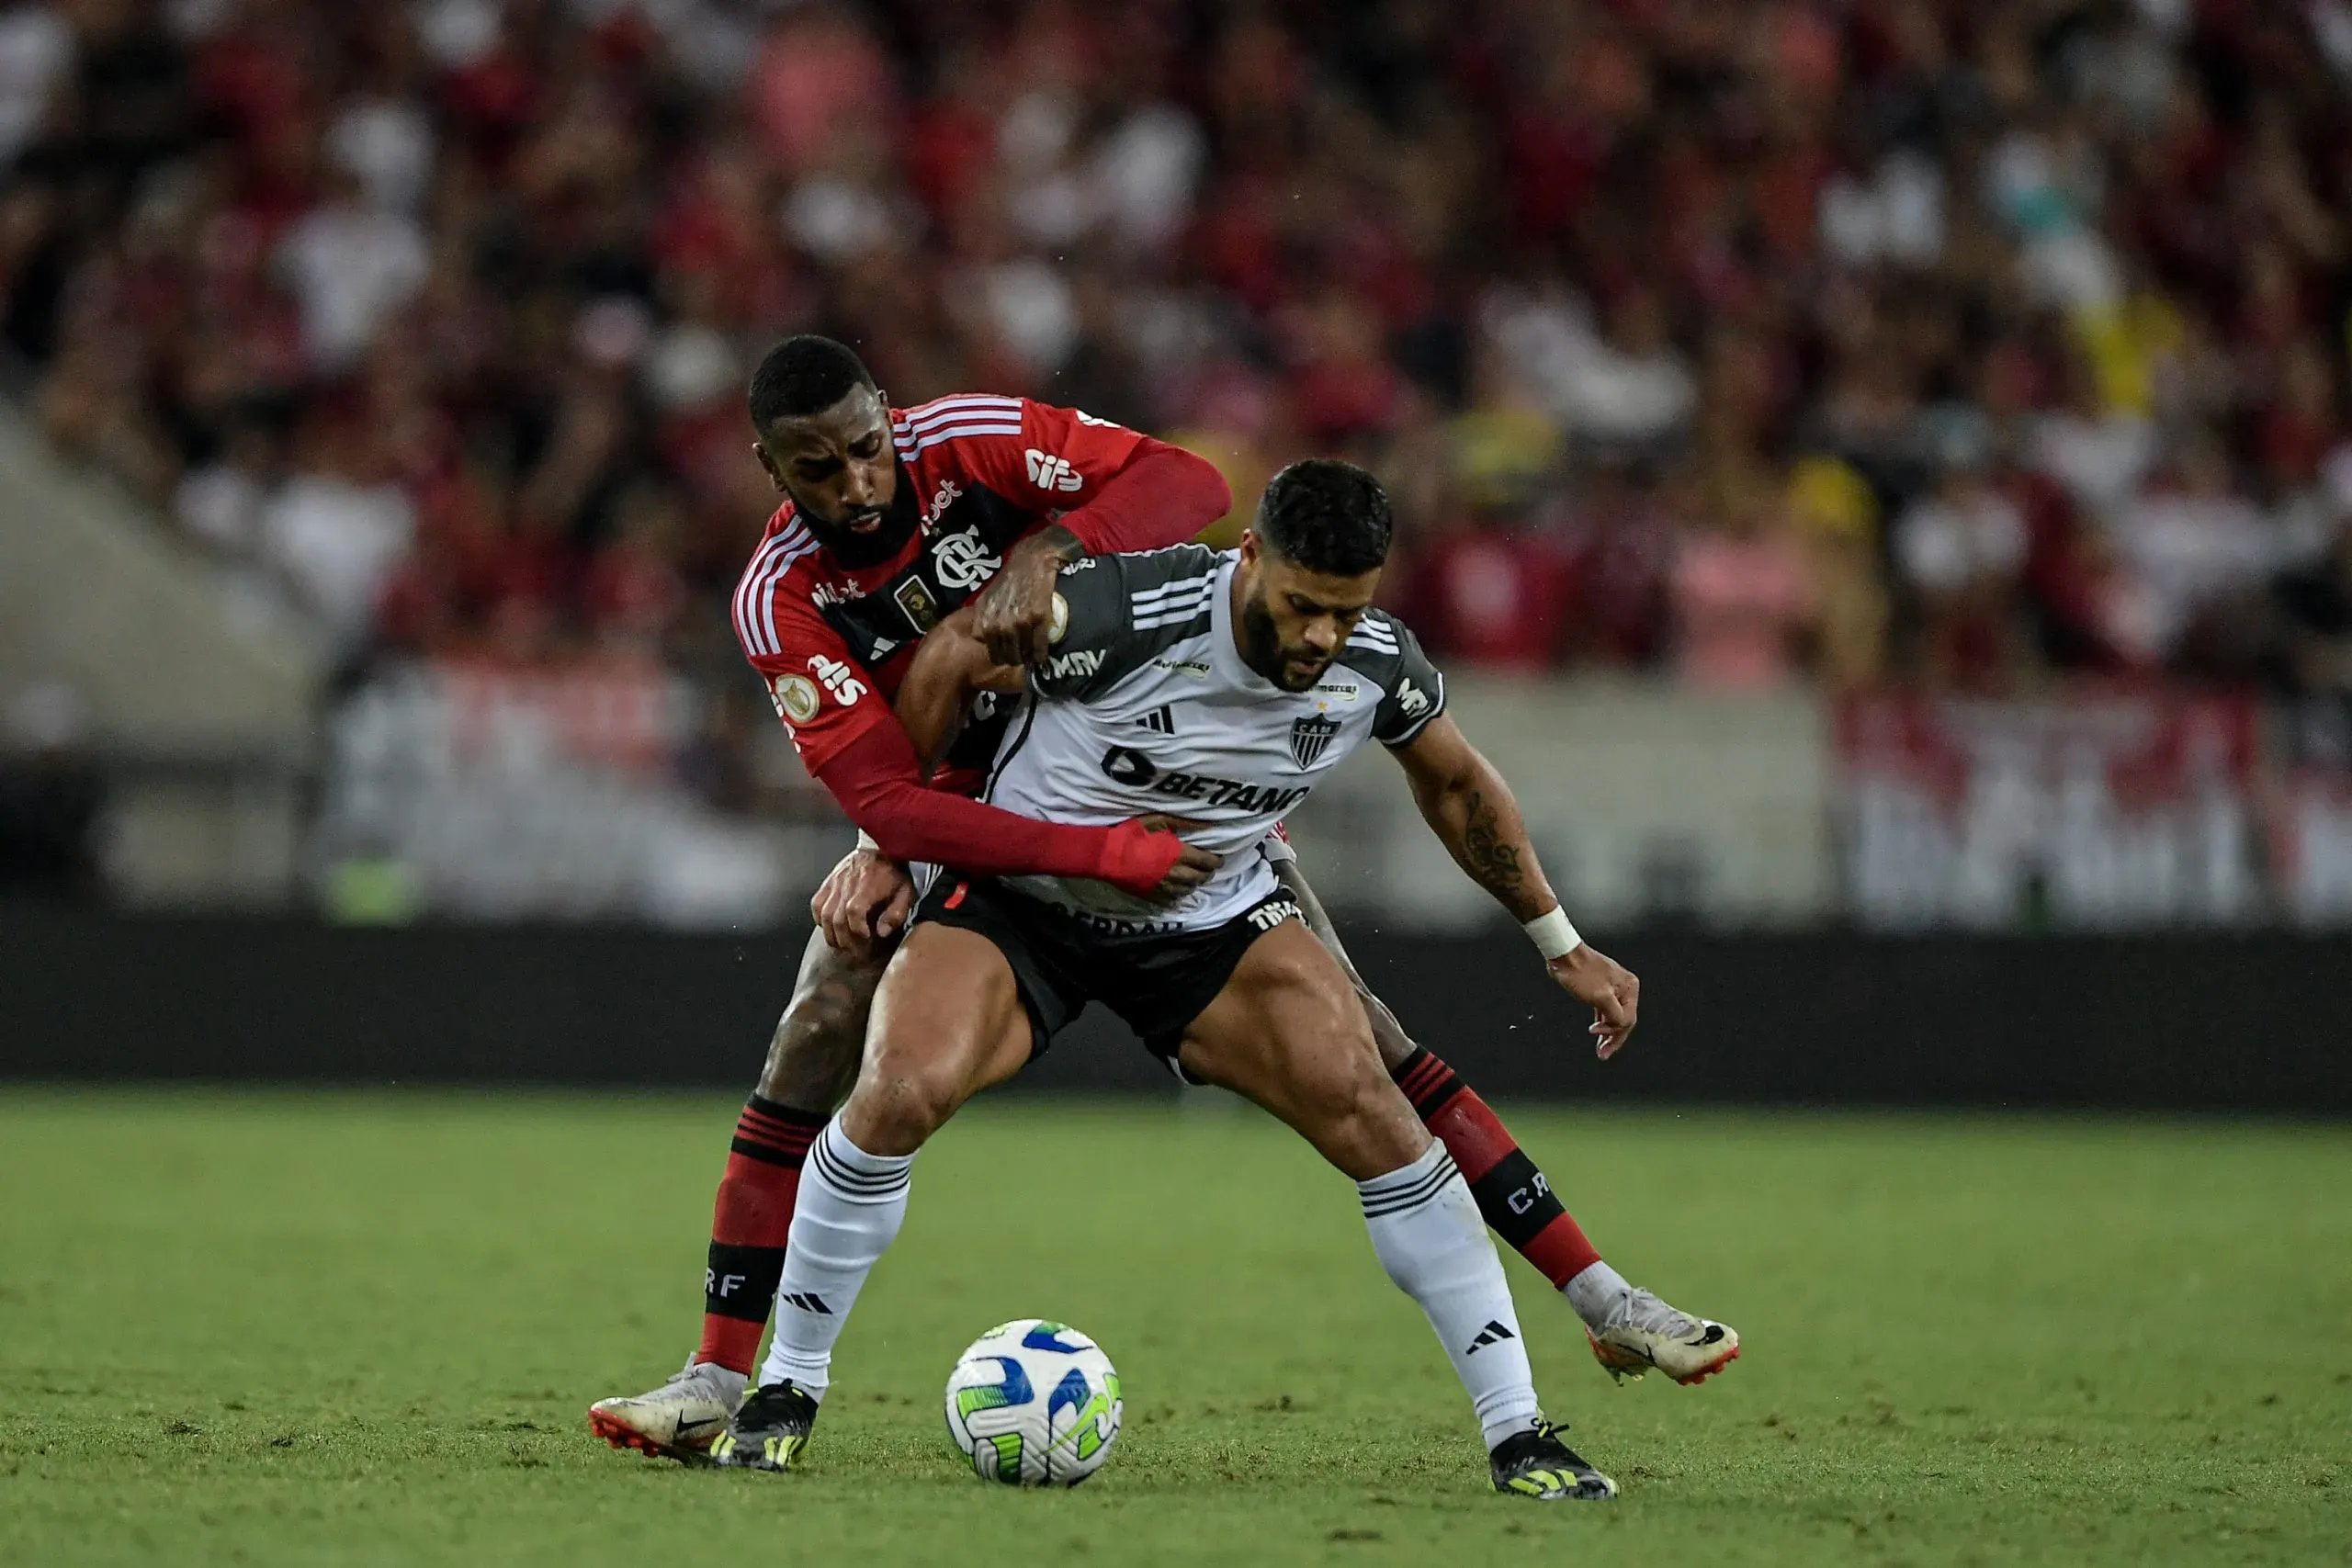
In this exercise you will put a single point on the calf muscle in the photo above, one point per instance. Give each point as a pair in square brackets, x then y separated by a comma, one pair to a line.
[814, 1052]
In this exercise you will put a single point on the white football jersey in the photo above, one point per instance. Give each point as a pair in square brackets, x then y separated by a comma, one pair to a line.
[1145, 706]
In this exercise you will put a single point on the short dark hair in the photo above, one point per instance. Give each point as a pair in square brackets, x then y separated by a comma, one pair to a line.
[1328, 517]
[804, 374]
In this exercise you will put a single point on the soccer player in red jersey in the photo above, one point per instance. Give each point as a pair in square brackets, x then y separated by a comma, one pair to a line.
[892, 519]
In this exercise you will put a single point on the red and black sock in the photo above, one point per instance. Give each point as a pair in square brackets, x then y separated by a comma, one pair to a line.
[1515, 1197]
[749, 1226]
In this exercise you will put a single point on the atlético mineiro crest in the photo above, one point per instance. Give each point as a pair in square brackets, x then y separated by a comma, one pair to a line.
[1310, 736]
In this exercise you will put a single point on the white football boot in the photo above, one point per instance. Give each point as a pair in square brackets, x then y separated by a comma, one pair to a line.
[1643, 1332]
[679, 1420]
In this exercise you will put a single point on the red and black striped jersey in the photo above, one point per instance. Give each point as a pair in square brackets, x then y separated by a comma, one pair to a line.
[833, 642]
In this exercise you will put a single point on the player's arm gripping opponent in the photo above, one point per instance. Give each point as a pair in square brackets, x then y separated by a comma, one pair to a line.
[954, 666]
[1141, 494]
[1472, 810]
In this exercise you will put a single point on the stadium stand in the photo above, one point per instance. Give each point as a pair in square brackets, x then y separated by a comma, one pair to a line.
[1828, 342]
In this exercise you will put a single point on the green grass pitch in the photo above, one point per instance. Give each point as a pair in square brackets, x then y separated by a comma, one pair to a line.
[289, 1330]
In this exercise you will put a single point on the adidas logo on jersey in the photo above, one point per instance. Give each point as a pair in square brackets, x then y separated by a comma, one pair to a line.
[1160, 720]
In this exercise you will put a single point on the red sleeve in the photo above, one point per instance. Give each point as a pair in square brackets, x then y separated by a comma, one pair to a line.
[876, 780]
[825, 700]
[1113, 487]
[1164, 496]
[850, 740]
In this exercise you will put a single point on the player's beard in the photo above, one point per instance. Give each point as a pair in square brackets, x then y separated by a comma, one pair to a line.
[1263, 650]
[855, 549]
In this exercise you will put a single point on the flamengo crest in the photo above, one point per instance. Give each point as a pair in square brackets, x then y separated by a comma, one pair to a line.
[1310, 736]
[963, 563]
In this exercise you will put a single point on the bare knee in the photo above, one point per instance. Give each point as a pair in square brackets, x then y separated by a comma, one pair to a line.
[900, 1101]
[1358, 1119]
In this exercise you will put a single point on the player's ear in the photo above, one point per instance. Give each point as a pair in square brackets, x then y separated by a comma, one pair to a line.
[775, 476]
[1250, 546]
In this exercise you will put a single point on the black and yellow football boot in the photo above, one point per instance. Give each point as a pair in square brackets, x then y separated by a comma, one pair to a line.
[769, 1431]
[1537, 1464]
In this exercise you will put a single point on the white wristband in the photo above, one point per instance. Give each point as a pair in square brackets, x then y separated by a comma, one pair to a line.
[865, 842]
[1552, 934]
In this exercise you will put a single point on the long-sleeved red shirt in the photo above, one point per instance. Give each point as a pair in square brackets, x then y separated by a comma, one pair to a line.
[833, 642]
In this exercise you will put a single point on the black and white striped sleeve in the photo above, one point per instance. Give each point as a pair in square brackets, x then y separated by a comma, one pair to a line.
[1123, 610]
[1414, 688]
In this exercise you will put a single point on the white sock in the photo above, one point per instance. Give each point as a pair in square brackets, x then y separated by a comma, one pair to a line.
[1598, 1294]
[850, 1207]
[1425, 1225]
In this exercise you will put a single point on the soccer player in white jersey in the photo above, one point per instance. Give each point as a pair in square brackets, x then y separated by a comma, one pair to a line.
[1222, 688]
[891, 519]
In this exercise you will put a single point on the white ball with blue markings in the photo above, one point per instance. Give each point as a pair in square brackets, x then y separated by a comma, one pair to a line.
[1034, 1403]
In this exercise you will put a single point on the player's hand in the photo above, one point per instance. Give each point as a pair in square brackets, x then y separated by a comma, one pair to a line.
[1607, 987]
[1013, 615]
[863, 900]
[1143, 856]
[1193, 868]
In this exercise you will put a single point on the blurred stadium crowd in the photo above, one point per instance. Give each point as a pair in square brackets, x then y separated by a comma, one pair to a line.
[1956, 341]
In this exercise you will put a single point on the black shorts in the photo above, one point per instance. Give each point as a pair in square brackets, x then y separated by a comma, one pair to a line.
[1159, 982]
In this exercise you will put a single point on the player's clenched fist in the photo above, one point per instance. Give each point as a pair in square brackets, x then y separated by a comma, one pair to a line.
[1013, 614]
[863, 900]
[1610, 989]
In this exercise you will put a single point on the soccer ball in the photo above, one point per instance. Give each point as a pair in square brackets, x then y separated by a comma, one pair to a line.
[1034, 1404]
